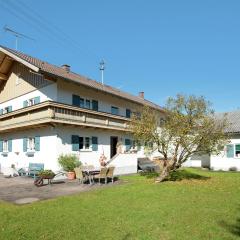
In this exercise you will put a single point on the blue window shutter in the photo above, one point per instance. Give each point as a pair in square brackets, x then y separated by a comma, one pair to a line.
[230, 151]
[94, 105]
[25, 144]
[1, 145]
[1, 111]
[75, 100]
[25, 103]
[128, 113]
[128, 144]
[10, 145]
[37, 100]
[75, 143]
[9, 108]
[37, 143]
[94, 143]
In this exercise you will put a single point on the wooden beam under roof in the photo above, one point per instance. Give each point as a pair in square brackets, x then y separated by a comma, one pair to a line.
[3, 77]
[6, 65]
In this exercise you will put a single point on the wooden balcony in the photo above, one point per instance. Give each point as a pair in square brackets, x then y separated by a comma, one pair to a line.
[53, 113]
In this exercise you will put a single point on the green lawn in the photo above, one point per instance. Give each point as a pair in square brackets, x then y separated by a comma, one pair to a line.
[204, 205]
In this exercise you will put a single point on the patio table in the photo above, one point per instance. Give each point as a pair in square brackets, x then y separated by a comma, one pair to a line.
[90, 171]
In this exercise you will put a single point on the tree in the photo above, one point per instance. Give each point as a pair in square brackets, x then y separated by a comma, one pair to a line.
[188, 127]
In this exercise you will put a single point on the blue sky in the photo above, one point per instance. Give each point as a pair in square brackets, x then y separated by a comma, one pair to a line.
[159, 47]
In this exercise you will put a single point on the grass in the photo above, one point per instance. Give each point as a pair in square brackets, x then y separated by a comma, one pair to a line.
[194, 204]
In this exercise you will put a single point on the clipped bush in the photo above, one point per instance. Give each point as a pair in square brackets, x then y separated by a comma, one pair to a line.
[68, 162]
[232, 169]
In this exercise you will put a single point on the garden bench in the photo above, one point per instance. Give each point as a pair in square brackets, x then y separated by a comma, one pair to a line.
[34, 169]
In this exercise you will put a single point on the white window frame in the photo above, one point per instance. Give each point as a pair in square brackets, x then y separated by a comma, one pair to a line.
[6, 110]
[30, 144]
[84, 149]
[5, 146]
[235, 156]
[31, 102]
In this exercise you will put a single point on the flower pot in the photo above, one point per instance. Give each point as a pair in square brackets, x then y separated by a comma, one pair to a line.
[71, 175]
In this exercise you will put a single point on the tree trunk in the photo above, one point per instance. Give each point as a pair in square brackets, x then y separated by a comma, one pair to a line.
[164, 174]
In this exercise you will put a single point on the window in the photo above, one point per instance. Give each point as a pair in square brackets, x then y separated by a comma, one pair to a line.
[31, 101]
[87, 143]
[114, 110]
[7, 109]
[233, 150]
[88, 105]
[75, 100]
[81, 102]
[84, 103]
[5, 145]
[128, 113]
[31, 144]
[84, 143]
[94, 105]
[237, 150]
[81, 144]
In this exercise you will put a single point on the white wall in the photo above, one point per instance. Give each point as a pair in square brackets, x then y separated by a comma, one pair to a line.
[125, 164]
[48, 92]
[221, 162]
[64, 145]
[105, 101]
[46, 155]
[198, 161]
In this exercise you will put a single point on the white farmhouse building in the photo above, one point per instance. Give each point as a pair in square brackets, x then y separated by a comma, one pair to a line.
[229, 157]
[47, 110]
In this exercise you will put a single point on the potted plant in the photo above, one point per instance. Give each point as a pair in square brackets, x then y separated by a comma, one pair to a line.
[68, 162]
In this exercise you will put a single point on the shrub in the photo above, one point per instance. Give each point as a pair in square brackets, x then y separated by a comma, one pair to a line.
[68, 162]
[232, 169]
[46, 173]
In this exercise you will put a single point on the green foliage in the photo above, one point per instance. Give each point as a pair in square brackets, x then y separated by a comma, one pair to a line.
[46, 173]
[68, 162]
[187, 127]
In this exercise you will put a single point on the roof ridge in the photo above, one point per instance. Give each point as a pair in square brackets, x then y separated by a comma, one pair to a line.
[53, 69]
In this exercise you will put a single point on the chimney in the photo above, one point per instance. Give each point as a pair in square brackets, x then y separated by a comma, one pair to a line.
[141, 94]
[66, 67]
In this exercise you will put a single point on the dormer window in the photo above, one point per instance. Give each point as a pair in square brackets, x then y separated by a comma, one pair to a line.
[6, 110]
[31, 102]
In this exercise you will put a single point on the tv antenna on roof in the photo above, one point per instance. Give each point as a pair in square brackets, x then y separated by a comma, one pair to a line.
[102, 68]
[17, 35]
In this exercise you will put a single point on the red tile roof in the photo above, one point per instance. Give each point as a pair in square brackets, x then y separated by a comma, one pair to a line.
[48, 68]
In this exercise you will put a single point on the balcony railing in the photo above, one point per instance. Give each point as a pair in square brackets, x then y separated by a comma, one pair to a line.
[57, 113]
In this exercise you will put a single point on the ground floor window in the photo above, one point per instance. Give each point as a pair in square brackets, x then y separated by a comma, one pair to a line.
[84, 143]
[5, 145]
[80, 143]
[31, 144]
[233, 150]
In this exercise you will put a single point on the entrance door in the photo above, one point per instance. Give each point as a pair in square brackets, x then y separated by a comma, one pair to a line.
[113, 145]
